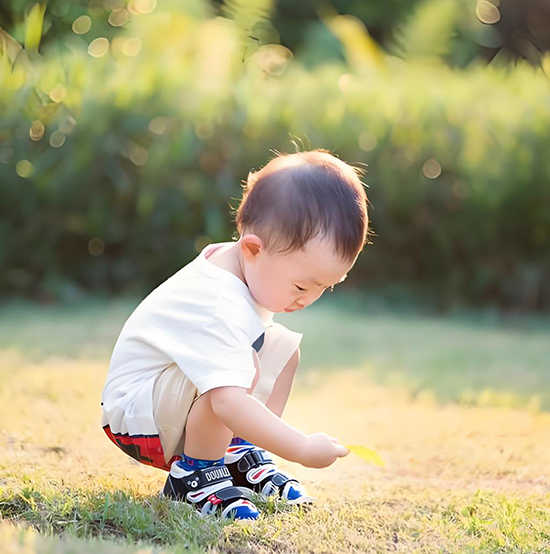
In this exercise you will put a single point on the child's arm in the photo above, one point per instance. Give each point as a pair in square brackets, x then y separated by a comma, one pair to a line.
[248, 418]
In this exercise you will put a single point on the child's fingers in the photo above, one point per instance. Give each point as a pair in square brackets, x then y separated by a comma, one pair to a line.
[342, 451]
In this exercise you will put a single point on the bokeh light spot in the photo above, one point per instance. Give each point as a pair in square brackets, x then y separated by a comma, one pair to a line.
[431, 169]
[345, 82]
[487, 12]
[143, 6]
[57, 139]
[118, 17]
[98, 47]
[36, 132]
[24, 168]
[96, 246]
[58, 93]
[273, 58]
[82, 24]
[367, 141]
[131, 47]
[138, 155]
[159, 125]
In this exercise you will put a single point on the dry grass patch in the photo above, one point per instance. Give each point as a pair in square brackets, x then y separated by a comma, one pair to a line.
[456, 479]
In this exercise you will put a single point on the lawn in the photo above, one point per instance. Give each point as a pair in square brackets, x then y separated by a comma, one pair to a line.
[457, 406]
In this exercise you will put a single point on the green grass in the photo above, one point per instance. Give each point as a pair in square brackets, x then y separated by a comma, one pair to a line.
[419, 522]
[457, 407]
[470, 357]
[474, 358]
[87, 329]
[89, 514]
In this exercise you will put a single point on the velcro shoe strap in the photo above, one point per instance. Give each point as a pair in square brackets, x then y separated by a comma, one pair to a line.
[230, 493]
[253, 458]
[207, 476]
[280, 479]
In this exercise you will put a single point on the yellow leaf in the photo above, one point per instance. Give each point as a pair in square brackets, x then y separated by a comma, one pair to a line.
[366, 454]
[33, 30]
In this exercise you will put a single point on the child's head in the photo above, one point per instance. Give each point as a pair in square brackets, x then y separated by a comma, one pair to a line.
[303, 221]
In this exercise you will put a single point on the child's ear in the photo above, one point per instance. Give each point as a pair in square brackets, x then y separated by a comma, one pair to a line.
[251, 246]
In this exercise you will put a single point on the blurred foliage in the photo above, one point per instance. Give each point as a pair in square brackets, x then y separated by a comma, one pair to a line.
[124, 139]
[517, 28]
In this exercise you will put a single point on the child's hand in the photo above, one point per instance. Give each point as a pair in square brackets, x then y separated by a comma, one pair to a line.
[322, 451]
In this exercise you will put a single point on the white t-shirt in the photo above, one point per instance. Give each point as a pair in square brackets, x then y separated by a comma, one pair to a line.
[204, 320]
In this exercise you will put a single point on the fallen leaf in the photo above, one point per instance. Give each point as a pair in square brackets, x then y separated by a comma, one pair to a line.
[366, 454]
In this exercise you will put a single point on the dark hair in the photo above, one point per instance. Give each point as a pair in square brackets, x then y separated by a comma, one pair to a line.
[299, 196]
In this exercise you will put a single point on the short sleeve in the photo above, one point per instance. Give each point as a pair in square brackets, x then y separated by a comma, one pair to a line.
[214, 355]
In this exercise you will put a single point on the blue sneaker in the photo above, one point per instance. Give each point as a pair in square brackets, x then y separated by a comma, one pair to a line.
[251, 467]
[211, 491]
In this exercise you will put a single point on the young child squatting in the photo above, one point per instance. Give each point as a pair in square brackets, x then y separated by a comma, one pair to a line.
[200, 374]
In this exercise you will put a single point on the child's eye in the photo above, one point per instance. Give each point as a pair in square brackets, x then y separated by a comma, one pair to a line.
[303, 290]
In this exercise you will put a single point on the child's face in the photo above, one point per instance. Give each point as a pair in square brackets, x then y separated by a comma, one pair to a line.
[290, 282]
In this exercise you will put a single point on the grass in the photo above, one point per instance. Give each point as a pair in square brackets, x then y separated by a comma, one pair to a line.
[456, 406]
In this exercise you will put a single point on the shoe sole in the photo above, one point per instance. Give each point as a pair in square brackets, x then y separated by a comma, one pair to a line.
[200, 514]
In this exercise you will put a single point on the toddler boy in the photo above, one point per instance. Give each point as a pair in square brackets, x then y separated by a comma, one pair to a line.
[200, 373]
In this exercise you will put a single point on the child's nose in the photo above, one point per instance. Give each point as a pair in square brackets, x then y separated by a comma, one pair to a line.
[308, 299]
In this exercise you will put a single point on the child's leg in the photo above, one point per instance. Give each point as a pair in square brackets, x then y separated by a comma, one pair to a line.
[250, 466]
[206, 436]
[201, 477]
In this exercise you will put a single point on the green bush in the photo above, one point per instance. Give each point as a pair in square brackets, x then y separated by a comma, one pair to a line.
[144, 149]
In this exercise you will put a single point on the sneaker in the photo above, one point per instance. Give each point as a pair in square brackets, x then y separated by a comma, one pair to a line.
[251, 467]
[211, 491]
